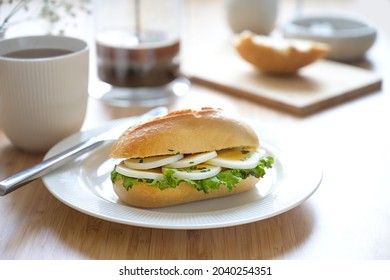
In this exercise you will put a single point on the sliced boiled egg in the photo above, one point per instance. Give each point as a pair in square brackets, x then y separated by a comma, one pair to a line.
[151, 162]
[154, 174]
[194, 159]
[199, 172]
[238, 158]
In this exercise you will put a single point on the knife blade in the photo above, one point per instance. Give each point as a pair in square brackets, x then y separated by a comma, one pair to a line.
[24, 177]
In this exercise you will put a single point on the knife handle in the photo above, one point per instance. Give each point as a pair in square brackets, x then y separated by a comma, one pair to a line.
[26, 176]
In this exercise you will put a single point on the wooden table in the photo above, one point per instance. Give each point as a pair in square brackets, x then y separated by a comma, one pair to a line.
[348, 217]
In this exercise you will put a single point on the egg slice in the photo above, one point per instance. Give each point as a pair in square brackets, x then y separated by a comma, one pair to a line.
[199, 172]
[151, 162]
[191, 160]
[239, 158]
[154, 174]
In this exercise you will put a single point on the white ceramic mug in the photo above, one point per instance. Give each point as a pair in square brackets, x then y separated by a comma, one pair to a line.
[258, 16]
[43, 89]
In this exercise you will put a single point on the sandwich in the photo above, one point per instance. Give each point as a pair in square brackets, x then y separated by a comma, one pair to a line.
[185, 156]
[279, 55]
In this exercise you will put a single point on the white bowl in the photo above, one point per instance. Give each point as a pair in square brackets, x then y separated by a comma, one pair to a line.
[349, 38]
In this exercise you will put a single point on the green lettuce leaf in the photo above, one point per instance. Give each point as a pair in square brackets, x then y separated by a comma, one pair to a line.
[228, 178]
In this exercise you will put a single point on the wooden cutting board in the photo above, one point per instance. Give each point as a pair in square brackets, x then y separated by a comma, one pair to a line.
[316, 87]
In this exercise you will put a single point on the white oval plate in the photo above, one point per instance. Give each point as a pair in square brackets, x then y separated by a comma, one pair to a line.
[84, 184]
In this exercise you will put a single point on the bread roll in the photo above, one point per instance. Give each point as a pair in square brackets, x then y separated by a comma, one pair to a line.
[144, 196]
[187, 132]
[278, 55]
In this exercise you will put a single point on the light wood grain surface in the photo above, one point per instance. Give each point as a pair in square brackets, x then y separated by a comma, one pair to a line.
[348, 217]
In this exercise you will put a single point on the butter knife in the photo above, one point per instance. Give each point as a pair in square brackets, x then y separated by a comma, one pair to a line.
[26, 176]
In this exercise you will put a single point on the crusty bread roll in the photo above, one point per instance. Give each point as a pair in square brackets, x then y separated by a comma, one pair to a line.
[186, 132]
[278, 55]
[145, 196]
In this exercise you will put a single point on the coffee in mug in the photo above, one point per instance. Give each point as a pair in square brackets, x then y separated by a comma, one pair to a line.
[43, 89]
[36, 53]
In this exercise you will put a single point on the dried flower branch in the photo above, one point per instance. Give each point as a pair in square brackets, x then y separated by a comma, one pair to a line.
[51, 10]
